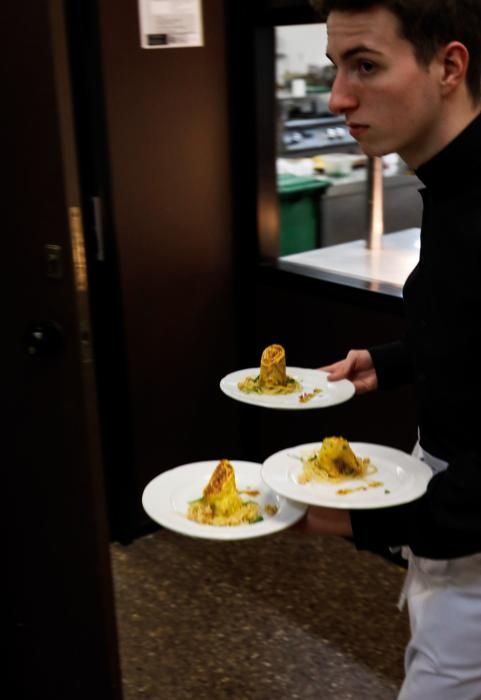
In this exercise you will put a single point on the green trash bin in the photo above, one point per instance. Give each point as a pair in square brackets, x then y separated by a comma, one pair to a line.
[299, 208]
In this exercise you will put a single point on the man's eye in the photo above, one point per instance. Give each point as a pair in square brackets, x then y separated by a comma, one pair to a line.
[366, 67]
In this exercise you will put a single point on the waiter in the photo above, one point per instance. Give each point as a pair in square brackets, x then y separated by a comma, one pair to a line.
[408, 80]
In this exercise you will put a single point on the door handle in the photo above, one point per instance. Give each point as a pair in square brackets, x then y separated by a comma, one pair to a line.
[43, 338]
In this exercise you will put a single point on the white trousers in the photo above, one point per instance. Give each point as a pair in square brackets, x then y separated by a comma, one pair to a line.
[443, 657]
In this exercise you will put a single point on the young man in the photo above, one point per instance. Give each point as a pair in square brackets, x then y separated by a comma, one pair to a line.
[408, 80]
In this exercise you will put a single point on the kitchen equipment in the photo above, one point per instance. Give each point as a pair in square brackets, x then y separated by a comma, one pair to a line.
[316, 135]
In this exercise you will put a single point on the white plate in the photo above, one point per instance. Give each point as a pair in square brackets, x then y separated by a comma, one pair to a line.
[331, 394]
[166, 499]
[404, 478]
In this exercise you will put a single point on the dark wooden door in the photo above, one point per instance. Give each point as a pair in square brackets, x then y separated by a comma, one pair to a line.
[60, 603]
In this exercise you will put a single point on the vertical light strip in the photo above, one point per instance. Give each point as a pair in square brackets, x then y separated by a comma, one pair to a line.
[375, 200]
[78, 249]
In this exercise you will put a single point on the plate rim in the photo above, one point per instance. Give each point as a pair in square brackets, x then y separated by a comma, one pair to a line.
[423, 479]
[293, 509]
[269, 400]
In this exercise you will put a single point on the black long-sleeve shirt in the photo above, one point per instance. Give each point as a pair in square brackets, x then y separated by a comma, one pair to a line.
[441, 355]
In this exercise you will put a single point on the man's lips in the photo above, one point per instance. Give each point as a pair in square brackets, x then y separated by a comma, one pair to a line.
[356, 129]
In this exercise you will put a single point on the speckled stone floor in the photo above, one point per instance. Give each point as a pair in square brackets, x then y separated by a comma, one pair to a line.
[288, 616]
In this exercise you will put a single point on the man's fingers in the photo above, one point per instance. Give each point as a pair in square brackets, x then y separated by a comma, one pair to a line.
[328, 368]
[339, 370]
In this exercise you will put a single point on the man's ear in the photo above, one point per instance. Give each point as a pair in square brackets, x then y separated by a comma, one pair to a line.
[455, 60]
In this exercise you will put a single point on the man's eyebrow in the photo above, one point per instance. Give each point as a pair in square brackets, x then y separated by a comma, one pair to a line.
[360, 48]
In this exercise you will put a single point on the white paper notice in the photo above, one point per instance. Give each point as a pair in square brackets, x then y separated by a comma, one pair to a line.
[170, 24]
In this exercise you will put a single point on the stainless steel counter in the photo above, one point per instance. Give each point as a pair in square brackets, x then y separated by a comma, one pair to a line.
[385, 269]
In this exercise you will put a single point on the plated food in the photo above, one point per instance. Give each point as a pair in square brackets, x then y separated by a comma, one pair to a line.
[334, 461]
[272, 377]
[221, 503]
[304, 388]
[171, 495]
[326, 474]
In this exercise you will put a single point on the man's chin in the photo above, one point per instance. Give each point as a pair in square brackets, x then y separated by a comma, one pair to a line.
[372, 151]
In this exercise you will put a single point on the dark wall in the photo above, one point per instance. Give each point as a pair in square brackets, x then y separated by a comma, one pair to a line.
[167, 126]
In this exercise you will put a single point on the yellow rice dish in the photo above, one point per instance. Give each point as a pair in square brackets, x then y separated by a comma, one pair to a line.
[272, 377]
[221, 503]
[334, 461]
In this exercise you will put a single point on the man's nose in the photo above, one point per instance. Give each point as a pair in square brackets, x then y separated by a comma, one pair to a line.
[342, 97]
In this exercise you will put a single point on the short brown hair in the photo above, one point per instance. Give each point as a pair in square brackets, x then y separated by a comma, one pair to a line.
[428, 25]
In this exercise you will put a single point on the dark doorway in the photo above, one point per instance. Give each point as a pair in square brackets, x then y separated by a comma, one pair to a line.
[59, 582]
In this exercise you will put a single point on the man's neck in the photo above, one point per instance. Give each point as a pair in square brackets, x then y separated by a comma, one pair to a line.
[455, 117]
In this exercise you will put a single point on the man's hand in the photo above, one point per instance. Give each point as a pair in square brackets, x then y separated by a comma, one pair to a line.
[358, 367]
[325, 521]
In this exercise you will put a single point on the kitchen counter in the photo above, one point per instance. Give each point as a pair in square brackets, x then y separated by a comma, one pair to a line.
[352, 264]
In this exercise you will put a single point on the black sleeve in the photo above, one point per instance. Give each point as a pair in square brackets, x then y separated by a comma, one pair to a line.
[393, 364]
[443, 524]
